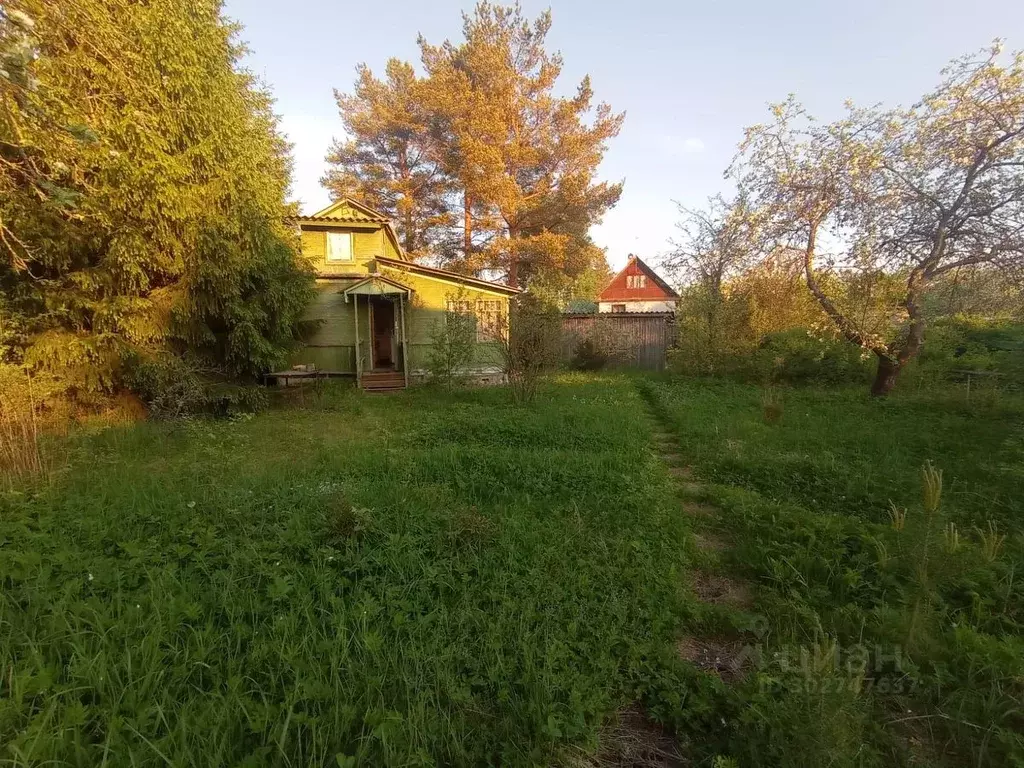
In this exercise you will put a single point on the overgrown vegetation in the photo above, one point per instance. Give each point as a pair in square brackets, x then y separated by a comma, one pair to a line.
[884, 542]
[452, 341]
[142, 194]
[444, 577]
[423, 578]
[530, 344]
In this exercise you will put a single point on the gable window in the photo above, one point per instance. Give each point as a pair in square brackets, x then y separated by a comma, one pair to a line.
[339, 246]
[636, 281]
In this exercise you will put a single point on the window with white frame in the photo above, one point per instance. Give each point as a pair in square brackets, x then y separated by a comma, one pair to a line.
[488, 319]
[339, 246]
[486, 312]
[636, 281]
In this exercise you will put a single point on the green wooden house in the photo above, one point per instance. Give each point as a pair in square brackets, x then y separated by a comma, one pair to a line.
[376, 310]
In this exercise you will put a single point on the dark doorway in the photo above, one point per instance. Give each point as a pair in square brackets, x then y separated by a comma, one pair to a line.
[382, 323]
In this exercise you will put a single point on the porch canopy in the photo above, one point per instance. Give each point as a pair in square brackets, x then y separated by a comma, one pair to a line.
[378, 285]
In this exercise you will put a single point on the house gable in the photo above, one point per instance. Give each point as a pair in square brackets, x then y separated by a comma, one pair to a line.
[368, 232]
[348, 210]
[637, 282]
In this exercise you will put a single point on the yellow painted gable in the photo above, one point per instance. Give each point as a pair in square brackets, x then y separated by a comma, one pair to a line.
[369, 230]
[367, 244]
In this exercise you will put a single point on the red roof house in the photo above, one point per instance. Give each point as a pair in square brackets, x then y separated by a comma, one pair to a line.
[637, 288]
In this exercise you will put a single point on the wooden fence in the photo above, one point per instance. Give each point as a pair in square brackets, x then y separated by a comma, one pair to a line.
[634, 339]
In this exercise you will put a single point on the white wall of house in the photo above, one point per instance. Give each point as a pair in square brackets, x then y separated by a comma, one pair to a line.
[658, 305]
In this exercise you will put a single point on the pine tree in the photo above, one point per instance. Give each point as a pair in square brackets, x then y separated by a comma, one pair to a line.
[391, 161]
[143, 179]
[524, 157]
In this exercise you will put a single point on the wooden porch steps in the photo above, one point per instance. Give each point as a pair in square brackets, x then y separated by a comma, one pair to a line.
[382, 381]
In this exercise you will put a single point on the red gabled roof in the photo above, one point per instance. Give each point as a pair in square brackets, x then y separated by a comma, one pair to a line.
[654, 290]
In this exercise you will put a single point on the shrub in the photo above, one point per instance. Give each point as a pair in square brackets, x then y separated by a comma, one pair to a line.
[173, 387]
[452, 340]
[603, 345]
[771, 406]
[530, 344]
[798, 357]
[589, 356]
[965, 343]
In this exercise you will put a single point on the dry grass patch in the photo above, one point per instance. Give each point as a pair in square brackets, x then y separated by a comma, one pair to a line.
[633, 740]
[699, 509]
[721, 590]
[711, 542]
[20, 456]
[690, 488]
[726, 657]
[682, 473]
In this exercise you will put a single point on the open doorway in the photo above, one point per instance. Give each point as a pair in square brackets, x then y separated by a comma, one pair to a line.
[382, 327]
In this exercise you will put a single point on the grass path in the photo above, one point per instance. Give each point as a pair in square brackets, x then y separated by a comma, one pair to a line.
[720, 654]
[878, 637]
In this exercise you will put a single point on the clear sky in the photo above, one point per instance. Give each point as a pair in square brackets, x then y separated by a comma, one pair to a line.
[689, 75]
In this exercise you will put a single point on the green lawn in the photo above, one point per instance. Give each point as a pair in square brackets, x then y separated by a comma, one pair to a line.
[883, 642]
[421, 579]
[447, 579]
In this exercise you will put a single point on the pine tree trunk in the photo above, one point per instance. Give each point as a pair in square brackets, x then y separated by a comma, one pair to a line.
[885, 377]
[403, 168]
[410, 235]
[513, 259]
[467, 226]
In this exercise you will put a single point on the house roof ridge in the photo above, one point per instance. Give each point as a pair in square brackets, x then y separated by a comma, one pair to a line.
[414, 267]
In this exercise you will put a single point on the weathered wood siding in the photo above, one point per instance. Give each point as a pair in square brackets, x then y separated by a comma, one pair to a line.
[644, 338]
[367, 244]
[332, 346]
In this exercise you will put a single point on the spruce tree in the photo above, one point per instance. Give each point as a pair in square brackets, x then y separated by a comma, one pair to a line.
[144, 182]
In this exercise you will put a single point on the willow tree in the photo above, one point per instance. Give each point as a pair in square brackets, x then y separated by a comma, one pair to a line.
[525, 158]
[919, 191]
[144, 182]
[390, 159]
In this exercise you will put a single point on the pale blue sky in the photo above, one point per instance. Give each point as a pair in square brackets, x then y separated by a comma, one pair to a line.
[689, 75]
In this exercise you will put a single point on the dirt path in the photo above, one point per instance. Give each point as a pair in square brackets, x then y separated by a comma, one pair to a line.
[720, 654]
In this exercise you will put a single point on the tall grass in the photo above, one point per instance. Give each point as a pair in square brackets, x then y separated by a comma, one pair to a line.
[20, 456]
[423, 579]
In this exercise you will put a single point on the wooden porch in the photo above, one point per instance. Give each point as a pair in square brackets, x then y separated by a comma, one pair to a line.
[387, 339]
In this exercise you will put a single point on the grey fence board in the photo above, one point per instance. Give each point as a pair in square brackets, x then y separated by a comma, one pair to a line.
[642, 339]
